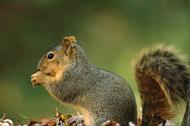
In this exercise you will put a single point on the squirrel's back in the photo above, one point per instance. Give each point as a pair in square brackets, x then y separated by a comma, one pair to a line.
[162, 79]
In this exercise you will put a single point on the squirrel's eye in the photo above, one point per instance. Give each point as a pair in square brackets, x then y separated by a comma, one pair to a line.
[50, 56]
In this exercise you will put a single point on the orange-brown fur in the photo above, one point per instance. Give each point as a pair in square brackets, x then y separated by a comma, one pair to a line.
[51, 71]
[161, 78]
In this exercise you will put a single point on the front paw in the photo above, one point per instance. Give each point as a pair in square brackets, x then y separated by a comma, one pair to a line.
[36, 78]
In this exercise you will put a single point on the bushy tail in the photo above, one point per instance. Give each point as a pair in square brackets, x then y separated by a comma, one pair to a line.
[162, 79]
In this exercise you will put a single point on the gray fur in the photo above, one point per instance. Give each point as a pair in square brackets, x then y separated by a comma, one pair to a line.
[104, 94]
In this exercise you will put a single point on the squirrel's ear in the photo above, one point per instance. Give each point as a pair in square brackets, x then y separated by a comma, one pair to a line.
[68, 44]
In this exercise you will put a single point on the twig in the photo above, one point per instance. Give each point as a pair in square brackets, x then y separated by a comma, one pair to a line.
[3, 117]
[24, 117]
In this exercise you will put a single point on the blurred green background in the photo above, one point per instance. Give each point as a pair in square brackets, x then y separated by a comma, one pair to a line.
[111, 31]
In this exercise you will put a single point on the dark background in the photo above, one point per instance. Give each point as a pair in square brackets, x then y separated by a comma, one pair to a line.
[111, 31]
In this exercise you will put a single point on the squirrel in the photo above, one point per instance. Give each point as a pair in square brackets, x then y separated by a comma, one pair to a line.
[100, 95]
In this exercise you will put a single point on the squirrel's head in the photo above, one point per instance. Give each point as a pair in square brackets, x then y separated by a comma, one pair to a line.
[52, 65]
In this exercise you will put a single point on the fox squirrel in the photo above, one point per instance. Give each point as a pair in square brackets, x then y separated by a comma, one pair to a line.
[162, 79]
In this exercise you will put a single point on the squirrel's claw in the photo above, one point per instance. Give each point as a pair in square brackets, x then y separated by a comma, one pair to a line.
[35, 80]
